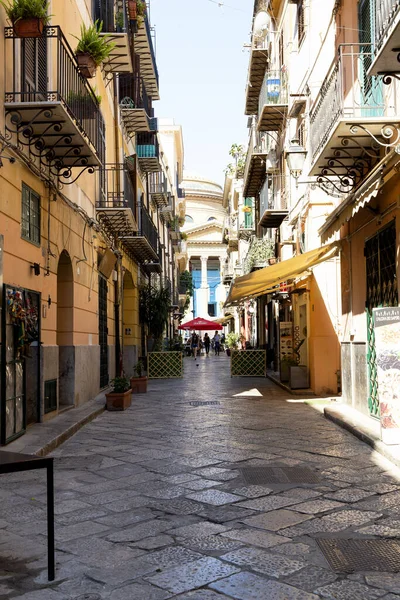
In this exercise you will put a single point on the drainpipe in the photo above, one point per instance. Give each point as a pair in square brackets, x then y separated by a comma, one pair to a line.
[118, 354]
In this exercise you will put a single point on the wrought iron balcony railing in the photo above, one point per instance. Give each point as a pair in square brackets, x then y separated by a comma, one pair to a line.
[145, 49]
[116, 207]
[246, 224]
[50, 107]
[227, 273]
[258, 62]
[144, 245]
[273, 101]
[113, 14]
[158, 189]
[255, 167]
[273, 202]
[351, 122]
[137, 113]
[148, 153]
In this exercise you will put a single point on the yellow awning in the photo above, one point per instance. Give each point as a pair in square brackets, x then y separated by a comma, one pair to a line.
[224, 320]
[263, 281]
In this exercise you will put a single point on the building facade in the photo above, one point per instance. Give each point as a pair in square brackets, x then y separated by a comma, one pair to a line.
[205, 250]
[84, 180]
[322, 101]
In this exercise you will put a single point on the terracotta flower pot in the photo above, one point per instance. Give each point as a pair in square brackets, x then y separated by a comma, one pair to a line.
[139, 385]
[132, 10]
[120, 401]
[86, 64]
[27, 28]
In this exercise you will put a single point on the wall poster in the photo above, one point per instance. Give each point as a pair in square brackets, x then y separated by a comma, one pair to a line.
[387, 344]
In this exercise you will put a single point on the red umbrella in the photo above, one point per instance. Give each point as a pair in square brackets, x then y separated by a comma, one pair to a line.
[201, 325]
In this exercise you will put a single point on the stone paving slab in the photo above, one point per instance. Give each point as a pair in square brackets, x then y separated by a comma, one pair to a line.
[151, 505]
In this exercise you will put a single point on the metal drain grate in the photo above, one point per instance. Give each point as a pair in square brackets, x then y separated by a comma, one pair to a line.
[209, 403]
[265, 475]
[348, 556]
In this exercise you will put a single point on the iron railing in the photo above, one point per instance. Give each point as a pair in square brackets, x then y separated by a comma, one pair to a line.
[152, 53]
[147, 145]
[274, 89]
[259, 143]
[132, 93]
[113, 14]
[117, 190]
[35, 78]
[386, 12]
[158, 183]
[347, 92]
[146, 228]
[273, 194]
[181, 193]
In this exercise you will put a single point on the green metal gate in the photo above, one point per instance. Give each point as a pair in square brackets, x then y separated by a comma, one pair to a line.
[380, 255]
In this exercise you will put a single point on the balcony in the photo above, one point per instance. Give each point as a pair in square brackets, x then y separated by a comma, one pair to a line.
[116, 208]
[246, 219]
[258, 62]
[352, 123]
[148, 152]
[387, 38]
[143, 246]
[273, 203]
[148, 67]
[227, 274]
[158, 188]
[255, 168]
[51, 110]
[273, 102]
[114, 16]
[135, 106]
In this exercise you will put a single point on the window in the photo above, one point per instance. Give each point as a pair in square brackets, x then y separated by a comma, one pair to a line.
[300, 22]
[212, 219]
[30, 219]
[188, 219]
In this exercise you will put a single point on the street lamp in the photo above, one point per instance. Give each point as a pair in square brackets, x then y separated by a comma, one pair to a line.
[295, 158]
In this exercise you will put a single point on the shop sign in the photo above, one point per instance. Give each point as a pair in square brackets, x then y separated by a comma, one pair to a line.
[387, 337]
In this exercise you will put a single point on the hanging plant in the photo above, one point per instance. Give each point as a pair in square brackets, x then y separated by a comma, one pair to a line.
[92, 49]
[28, 17]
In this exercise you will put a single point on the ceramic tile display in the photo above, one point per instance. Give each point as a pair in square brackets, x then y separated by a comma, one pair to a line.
[387, 343]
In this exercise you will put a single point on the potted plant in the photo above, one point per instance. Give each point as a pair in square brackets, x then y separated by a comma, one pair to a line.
[139, 383]
[28, 17]
[92, 49]
[132, 10]
[140, 12]
[232, 342]
[121, 395]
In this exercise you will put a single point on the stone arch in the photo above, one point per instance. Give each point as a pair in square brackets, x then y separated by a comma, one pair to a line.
[65, 331]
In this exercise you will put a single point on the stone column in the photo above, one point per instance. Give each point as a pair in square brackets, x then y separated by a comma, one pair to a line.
[204, 282]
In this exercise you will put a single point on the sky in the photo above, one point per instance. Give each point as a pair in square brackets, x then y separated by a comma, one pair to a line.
[203, 68]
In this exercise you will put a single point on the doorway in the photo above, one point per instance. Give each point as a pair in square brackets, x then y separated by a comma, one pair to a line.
[65, 331]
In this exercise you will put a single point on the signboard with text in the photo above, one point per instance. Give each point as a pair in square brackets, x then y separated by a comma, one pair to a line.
[387, 345]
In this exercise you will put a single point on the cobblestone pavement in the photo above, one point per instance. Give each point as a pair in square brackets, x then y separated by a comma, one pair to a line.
[153, 503]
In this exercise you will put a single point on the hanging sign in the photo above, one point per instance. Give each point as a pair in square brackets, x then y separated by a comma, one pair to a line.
[387, 345]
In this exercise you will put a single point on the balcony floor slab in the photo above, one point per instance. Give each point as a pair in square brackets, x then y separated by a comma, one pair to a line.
[118, 221]
[139, 247]
[134, 119]
[272, 117]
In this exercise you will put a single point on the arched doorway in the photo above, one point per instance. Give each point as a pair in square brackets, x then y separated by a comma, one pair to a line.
[65, 331]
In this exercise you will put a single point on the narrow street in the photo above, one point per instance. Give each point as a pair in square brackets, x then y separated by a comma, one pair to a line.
[153, 504]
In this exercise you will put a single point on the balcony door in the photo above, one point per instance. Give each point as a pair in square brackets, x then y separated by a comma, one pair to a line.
[371, 88]
[34, 69]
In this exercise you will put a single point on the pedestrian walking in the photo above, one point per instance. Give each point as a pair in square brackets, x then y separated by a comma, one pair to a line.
[194, 343]
[217, 343]
[207, 343]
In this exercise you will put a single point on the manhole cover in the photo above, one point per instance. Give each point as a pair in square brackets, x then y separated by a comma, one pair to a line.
[209, 403]
[348, 556]
[265, 475]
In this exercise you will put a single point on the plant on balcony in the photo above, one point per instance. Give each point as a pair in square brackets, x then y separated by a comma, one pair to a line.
[119, 21]
[92, 49]
[260, 251]
[120, 396]
[87, 103]
[236, 169]
[184, 236]
[28, 17]
[141, 12]
[154, 305]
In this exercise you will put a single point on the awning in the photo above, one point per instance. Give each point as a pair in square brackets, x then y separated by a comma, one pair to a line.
[263, 281]
[224, 320]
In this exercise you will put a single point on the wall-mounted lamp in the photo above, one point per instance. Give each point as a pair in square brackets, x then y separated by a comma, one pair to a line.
[36, 269]
[295, 158]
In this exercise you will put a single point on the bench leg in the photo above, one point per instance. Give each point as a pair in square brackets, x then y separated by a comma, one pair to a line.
[50, 523]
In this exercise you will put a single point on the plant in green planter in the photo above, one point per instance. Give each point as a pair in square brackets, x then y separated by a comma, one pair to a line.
[139, 383]
[28, 17]
[120, 396]
[92, 49]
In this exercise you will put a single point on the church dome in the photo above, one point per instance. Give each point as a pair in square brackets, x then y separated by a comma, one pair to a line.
[193, 184]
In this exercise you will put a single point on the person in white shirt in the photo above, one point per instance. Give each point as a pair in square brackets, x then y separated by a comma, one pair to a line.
[217, 343]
